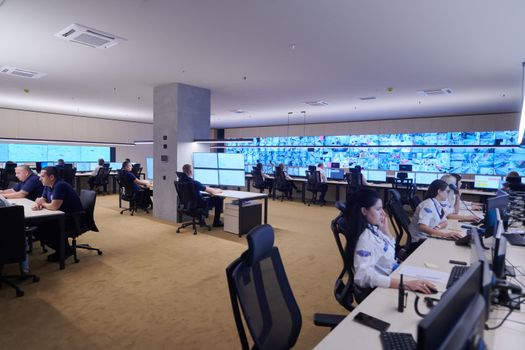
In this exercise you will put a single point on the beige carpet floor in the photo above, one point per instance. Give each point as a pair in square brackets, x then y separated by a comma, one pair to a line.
[156, 289]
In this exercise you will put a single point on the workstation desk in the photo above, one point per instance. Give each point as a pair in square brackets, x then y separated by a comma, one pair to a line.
[34, 217]
[87, 175]
[382, 303]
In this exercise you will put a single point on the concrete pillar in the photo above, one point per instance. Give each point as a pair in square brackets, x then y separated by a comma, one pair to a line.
[181, 113]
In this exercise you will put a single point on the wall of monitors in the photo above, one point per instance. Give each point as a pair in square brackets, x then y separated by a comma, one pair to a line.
[426, 152]
[18, 152]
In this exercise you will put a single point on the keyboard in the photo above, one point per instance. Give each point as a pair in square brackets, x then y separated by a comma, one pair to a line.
[515, 239]
[455, 274]
[397, 341]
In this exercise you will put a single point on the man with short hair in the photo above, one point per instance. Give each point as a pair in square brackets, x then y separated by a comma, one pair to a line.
[205, 203]
[57, 195]
[323, 186]
[93, 177]
[139, 186]
[29, 186]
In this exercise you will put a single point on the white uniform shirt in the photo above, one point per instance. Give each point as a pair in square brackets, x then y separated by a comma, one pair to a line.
[429, 212]
[322, 173]
[95, 172]
[374, 259]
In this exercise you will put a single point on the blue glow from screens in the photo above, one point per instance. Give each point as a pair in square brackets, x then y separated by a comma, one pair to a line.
[207, 176]
[149, 168]
[115, 165]
[205, 160]
[231, 178]
[231, 161]
[487, 182]
[18, 152]
[436, 158]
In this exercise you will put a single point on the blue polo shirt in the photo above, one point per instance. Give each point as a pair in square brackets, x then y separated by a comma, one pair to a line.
[32, 186]
[131, 179]
[198, 186]
[63, 191]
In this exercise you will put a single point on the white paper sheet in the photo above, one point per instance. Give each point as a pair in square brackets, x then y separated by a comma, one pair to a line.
[424, 274]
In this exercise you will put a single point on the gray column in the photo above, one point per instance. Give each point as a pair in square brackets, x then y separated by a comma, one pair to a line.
[181, 113]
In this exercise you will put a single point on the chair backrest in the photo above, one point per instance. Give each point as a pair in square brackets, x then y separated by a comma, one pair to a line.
[12, 238]
[280, 180]
[88, 200]
[398, 216]
[188, 198]
[257, 282]
[67, 173]
[258, 181]
[313, 179]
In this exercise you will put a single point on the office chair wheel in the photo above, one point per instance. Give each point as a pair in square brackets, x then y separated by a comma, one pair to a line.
[99, 252]
[36, 279]
[178, 230]
[19, 293]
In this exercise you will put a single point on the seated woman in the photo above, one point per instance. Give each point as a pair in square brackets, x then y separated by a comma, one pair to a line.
[430, 217]
[370, 248]
[454, 200]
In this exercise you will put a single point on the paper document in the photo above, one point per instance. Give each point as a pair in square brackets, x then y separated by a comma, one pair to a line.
[424, 274]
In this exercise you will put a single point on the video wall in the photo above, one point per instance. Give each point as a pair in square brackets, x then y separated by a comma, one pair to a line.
[18, 152]
[432, 154]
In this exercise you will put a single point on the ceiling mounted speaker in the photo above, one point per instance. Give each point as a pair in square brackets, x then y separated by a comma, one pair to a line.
[88, 36]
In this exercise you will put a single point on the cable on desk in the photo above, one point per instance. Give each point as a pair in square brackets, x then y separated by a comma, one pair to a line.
[506, 316]
[469, 210]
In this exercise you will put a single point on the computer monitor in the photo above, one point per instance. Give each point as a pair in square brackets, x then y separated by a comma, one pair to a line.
[231, 178]
[302, 171]
[405, 167]
[477, 253]
[205, 160]
[487, 182]
[409, 175]
[334, 165]
[425, 178]
[376, 176]
[83, 167]
[458, 320]
[293, 171]
[498, 256]
[268, 169]
[335, 174]
[207, 176]
[149, 168]
[231, 161]
[115, 165]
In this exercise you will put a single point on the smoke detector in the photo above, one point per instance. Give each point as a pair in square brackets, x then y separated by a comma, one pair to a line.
[20, 72]
[317, 103]
[434, 92]
[88, 36]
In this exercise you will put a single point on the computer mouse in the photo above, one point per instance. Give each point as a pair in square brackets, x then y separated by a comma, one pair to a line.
[432, 290]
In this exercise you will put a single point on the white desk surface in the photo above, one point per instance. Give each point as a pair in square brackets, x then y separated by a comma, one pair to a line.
[241, 194]
[29, 212]
[382, 303]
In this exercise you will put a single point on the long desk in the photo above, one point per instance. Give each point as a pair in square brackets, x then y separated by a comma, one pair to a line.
[243, 196]
[80, 176]
[34, 217]
[382, 303]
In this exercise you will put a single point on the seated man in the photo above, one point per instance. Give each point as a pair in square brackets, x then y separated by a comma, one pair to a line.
[57, 195]
[93, 177]
[323, 187]
[208, 202]
[139, 186]
[29, 186]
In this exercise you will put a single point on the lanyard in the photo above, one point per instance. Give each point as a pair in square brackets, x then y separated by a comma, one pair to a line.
[441, 212]
[373, 228]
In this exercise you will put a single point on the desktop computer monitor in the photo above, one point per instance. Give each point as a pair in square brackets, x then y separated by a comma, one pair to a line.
[458, 320]
[205, 160]
[115, 165]
[230, 160]
[376, 176]
[425, 178]
[231, 178]
[334, 165]
[292, 171]
[409, 175]
[269, 169]
[487, 182]
[207, 176]
[405, 167]
[302, 171]
[335, 174]
[83, 167]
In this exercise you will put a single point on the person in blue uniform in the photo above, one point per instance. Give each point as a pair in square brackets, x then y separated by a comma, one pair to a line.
[205, 202]
[139, 186]
[370, 246]
[57, 195]
[29, 186]
[430, 216]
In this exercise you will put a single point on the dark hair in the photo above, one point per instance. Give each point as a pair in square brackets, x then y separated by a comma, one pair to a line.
[51, 171]
[125, 164]
[434, 187]
[60, 161]
[457, 176]
[355, 221]
[101, 161]
[259, 166]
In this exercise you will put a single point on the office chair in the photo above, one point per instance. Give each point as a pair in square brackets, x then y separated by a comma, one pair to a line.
[128, 194]
[313, 183]
[401, 222]
[406, 189]
[13, 245]
[67, 173]
[280, 184]
[259, 182]
[257, 282]
[189, 205]
[84, 221]
[102, 179]
[354, 181]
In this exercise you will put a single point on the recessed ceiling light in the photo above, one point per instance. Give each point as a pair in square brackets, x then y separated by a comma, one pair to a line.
[317, 103]
[292, 46]
[434, 92]
[238, 111]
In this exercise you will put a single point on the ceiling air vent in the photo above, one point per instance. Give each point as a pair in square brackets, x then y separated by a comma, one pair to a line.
[317, 103]
[88, 36]
[19, 72]
[434, 92]
[368, 98]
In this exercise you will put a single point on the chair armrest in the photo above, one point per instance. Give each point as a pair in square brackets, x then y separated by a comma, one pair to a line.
[328, 320]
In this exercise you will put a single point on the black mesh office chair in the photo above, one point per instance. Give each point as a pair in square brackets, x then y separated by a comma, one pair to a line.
[189, 205]
[102, 179]
[354, 181]
[67, 173]
[280, 184]
[257, 282]
[313, 183]
[13, 245]
[259, 182]
[128, 194]
[400, 221]
[406, 188]
[83, 222]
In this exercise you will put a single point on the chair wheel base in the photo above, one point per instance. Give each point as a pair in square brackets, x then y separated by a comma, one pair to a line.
[19, 293]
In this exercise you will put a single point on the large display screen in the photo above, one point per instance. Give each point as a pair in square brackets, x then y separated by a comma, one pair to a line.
[18, 153]
[205, 160]
[149, 168]
[231, 178]
[230, 161]
[207, 176]
[426, 178]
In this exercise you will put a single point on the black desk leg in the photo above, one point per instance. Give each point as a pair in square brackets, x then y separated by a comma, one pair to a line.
[337, 193]
[114, 184]
[61, 245]
[78, 184]
[265, 210]
[303, 194]
[248, 183]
